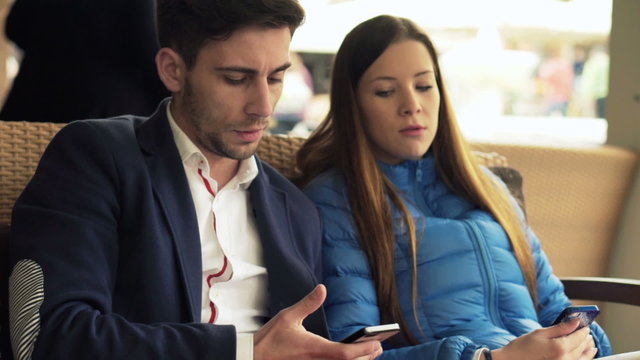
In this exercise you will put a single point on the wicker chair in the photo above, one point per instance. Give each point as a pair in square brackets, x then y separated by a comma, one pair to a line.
[21, 145]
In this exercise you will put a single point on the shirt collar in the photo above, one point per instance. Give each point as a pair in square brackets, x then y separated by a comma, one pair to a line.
[191, 155]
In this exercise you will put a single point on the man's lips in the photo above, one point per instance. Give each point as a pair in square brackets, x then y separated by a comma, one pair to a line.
[251, 135]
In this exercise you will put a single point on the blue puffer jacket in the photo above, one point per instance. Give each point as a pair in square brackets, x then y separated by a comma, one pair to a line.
[471, 291]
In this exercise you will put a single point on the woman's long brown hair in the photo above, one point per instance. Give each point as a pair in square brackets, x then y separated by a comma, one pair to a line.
[340, 142]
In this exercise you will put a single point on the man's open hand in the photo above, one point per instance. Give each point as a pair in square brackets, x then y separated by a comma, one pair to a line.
[284, 337]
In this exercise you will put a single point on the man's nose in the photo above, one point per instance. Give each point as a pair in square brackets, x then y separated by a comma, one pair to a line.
[260, 102]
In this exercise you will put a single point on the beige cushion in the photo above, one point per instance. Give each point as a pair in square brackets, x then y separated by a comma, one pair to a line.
[574, 199]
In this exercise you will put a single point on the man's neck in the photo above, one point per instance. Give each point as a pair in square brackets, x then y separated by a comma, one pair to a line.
[221, 169]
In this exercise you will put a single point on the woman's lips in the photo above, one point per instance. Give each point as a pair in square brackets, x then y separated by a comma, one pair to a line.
[413, 130]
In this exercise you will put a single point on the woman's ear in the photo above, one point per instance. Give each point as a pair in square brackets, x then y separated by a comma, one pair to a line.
[171, 69]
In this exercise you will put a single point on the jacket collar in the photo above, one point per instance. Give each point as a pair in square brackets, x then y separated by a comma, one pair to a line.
[405, 174]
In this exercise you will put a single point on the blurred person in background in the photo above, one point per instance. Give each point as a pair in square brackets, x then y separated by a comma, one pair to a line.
[578, 105]
[297, 94]
[595, 79]
[556, 77]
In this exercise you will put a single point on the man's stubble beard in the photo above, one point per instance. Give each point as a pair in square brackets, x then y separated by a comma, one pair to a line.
[213, 141]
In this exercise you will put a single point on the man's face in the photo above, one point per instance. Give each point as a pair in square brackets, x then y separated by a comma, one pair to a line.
[229, 94]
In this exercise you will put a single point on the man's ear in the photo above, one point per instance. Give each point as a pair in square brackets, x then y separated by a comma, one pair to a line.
[171, 69]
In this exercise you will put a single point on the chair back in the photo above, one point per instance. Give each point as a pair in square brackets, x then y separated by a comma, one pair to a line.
[575, 198]
[21, 145]
[280, 152]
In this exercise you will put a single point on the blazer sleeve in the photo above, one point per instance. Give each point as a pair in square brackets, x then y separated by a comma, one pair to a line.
[67, 222]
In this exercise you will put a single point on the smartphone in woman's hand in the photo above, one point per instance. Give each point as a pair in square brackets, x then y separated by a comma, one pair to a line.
[586, 314]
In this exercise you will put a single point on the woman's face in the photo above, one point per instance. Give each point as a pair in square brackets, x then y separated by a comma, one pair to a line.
[400, 101]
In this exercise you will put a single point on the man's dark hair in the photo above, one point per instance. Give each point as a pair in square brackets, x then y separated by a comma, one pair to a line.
[186, 25]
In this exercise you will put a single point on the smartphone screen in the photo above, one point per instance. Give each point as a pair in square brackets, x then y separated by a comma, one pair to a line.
[378, 332]
[586, 314]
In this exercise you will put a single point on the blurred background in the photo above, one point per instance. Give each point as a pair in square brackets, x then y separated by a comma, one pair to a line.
[523, 70]
[517, 70]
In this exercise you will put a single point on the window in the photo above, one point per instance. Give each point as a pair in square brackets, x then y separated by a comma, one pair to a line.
[524, 71]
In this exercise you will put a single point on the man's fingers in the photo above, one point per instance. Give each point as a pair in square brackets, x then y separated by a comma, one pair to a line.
[284, 332]
[310, 303]
[363, 350]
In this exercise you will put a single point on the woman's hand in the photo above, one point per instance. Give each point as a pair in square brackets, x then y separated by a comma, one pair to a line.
[559, 342]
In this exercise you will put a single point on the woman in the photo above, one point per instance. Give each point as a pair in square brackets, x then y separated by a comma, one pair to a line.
[415, 231]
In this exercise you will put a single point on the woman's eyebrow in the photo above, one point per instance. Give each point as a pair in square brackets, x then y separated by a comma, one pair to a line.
[386, 77]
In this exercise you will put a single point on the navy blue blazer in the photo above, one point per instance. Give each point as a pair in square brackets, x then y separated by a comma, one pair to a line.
[109, 217]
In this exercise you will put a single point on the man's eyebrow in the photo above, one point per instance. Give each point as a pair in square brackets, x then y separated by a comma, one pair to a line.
[283, 67]
[251, 71]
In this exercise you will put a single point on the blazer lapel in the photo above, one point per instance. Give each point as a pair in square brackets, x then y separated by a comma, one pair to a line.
[170, 184]
[290, 278]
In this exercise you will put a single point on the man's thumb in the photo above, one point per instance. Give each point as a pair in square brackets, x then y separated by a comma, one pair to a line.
[309, 303]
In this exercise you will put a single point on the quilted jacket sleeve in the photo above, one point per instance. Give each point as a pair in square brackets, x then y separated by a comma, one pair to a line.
[551, 297]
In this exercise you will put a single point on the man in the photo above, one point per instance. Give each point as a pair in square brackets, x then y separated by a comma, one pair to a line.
[165, 238]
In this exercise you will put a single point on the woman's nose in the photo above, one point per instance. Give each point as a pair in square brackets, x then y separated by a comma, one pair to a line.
[410, 105]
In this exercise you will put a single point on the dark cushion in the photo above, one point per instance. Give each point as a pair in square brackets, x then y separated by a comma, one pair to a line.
[513, 179]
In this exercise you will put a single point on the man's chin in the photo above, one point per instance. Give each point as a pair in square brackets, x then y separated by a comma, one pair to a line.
[240, 152]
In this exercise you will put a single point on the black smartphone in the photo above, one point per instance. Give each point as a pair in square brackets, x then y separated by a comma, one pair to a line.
[586, 314]
[378, 332]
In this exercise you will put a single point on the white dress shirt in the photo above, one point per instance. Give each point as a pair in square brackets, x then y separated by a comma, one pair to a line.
[234, 279]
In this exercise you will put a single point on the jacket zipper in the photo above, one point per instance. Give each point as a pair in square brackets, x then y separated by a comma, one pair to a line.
[488, 273]
[418, 194]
